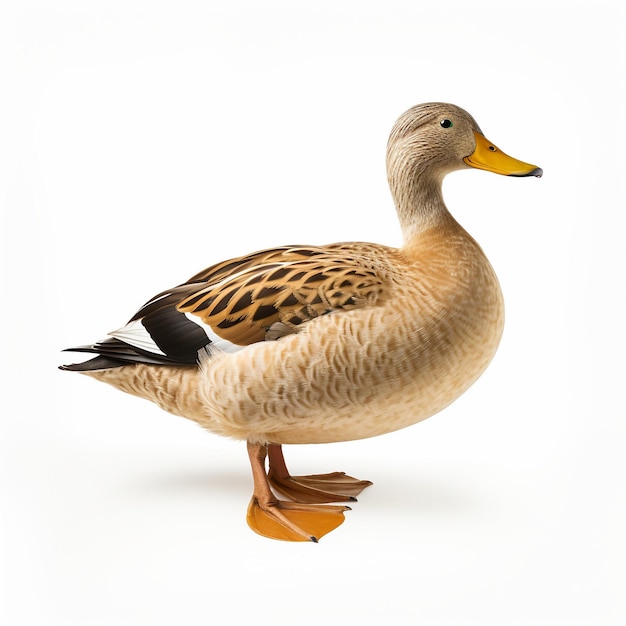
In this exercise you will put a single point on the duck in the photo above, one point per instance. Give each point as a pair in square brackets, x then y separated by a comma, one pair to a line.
[313, 344]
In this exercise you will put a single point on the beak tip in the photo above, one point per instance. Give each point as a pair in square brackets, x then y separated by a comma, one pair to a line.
[536, 171]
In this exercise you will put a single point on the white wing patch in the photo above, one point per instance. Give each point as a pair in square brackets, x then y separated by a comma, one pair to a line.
[136, 335]
[216, 341]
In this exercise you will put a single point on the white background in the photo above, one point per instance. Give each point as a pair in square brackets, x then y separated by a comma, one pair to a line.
[142, 141]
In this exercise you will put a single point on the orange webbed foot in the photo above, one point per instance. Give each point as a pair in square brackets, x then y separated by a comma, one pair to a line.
[293, 521]
[333, 487]
[315, 488]
[304, 519]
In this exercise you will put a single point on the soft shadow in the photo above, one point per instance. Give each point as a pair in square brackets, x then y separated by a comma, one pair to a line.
[441, 495]
[196, 483]
[437, 494]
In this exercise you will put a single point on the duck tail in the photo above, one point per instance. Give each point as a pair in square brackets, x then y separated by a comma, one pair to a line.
[112, 353]
[97, 363]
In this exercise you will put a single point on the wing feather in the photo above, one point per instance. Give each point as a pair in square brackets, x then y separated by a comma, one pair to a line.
[258, 297]
[288, 286]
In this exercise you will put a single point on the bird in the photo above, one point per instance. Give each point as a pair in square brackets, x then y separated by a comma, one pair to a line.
[313, 344]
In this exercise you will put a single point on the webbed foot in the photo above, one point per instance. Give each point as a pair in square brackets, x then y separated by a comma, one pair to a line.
[292, 521]
[304, 519]
[314, 488]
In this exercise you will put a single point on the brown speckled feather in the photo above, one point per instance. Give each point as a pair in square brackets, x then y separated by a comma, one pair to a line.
[276, 290]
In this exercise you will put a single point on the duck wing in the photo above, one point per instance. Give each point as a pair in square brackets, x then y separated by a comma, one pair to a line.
[258, 297]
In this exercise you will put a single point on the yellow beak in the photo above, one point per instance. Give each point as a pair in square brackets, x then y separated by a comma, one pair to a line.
[487, 157]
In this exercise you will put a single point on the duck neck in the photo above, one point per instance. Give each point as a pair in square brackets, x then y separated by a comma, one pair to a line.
[419, 202]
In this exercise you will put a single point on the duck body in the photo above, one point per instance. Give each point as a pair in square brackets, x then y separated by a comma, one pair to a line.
[319, 344]
[354, 374]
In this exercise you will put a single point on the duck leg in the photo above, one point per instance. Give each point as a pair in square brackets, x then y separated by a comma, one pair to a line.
[317, 488]
[289, 521]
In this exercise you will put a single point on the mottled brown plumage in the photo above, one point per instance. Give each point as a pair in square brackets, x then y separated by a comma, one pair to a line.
[243, 299]
[314, 344]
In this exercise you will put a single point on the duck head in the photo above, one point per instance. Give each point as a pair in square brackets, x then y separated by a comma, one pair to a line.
[442, 137]
[427, 142]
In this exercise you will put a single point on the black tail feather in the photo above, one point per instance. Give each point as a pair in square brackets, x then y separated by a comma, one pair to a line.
[115, 353]
[97, 363]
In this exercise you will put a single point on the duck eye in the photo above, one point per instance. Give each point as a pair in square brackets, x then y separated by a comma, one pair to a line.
[446, 123]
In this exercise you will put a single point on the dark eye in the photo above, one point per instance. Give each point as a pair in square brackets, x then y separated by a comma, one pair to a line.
[446, 123]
